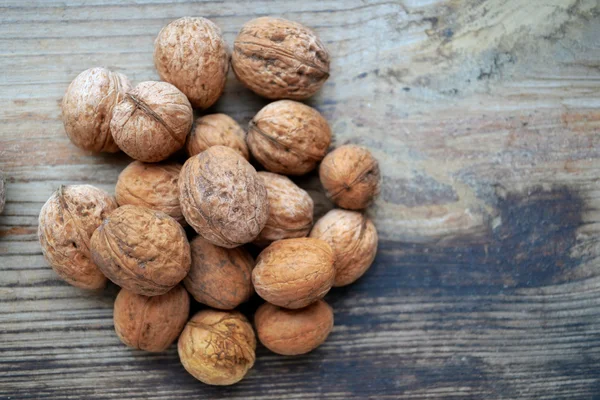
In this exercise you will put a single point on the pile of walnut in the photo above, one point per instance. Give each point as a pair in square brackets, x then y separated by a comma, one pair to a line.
[138, 240]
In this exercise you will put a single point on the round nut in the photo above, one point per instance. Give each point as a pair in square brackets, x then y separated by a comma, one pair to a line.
[191, 54]
[222, 197]
[288, 137]
[66, 224]
[141, 250]
[88, 105]
[293, 332]
[151, 323]
[353, 238]
[350, 176]
[152, 121]
[294, 273]
[280, 59]
[216, 130]
[217, 347]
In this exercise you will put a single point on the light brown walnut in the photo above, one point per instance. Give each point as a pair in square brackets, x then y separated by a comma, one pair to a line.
[216, 130]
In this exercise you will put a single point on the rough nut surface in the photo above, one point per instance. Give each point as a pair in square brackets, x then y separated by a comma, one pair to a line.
[216, 130]
[353, 238]
[151, 323]
[350, 176]
[141, 250]
[288, 137]
[294, 273]
[220, 278]
[2, 192]
[191, 54]
[217, 347]
[222, 197]
[280, 59]
[293, 332]
[88, 105]
[152, 186]
[152, 121]
[290, 210]
[66, 224]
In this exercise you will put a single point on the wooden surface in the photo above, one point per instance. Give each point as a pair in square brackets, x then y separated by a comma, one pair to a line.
[485, 117]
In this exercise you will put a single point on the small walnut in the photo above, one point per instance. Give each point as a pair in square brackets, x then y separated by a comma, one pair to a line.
[191, 54]
[151, 323]
[88, 105]
[220, 278]
[290, 210]
[141, 250]
[280, 59]
[294, 273]
[222, 197]
[293, 332]
[2, 192]
[217, 347]
[152, 121]
[350, 176]
[353, 238]
[66, 224]
[216, 130]
[288, 137]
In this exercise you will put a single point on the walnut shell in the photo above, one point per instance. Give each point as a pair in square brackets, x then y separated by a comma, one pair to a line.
[220, 278]
[151, 323]
[222, 197]
[294, 273]
[152, 121]
[353, 238]
[290, 210]
[191, 54]
[152, 186]
[2, 192]
[293, 332]
[217, 347]
[216, 130]
[66, 224]
[87, 108]
[350, 176]
[141, 250]
[280, 59]
[288, 137]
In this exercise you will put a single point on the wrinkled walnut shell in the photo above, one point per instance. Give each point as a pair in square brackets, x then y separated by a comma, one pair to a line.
[216, 130]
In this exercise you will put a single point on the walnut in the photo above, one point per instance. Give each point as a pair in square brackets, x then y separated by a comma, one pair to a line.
[293, 332]
[280, 59]
[222, 197]
[350, 176]
[217, 347]
[66, 224]
[88, 105]
[353, 238]
[288, 137]
[191, 54]
[294, 273]
[151, 323]
[152, 121]
[2, 192]
[220, 278]
[141, 250]
[216, 130]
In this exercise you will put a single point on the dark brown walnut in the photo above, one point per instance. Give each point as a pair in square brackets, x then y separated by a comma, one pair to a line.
[290, 210]
[217, 347]
[220, 278]
[152, 121]
[151, 323]
[222, 197]
[280, 59]
[353, 238]
[66, 224]
[191, 54]
[288, 137]
[294, 273]
[141, 250]
[293, 332]
[350, 176]
[216, 130]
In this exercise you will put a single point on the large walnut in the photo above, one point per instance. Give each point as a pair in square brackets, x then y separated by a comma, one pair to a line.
[216, 130]
[66, 224]
[141, 250]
